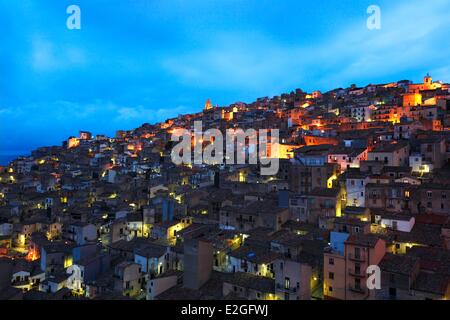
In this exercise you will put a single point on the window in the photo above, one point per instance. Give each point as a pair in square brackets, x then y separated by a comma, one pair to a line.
[357, 268]
[287, 283]
[357, 283]
[357, 253]
[330, 289]
[331, 261]
[331, 275]
[394, 225]
[429, 194]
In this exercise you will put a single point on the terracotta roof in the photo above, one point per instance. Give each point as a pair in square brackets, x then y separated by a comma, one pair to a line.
[363, 240]
[250, 281]
[431, 283]
[401, 264]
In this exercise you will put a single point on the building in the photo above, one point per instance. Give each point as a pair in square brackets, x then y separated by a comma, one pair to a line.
[345, 272]
[391, 154]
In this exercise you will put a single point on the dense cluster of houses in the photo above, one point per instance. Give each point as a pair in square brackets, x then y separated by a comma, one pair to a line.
[363, 181]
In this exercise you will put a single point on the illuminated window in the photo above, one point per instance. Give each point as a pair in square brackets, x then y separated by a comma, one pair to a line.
[287, 283]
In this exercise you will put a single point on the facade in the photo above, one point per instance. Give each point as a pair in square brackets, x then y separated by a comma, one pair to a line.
[345, 273]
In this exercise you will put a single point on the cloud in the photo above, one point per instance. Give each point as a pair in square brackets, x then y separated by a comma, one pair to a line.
[47, 56]
[232, 62]
[47, 123]
[442, 73]
[410, 38]
[142, 63]
[149, 114]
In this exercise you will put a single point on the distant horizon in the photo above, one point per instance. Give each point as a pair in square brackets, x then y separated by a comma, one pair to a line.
[148, 61]
[6, 156]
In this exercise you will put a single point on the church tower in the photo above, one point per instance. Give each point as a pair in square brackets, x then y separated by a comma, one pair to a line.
[427, 82]
[208, 105]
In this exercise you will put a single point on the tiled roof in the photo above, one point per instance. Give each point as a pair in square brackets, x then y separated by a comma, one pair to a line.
[401, 264]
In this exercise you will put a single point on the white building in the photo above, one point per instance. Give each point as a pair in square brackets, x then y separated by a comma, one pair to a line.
[361, 113]
[163, 283]
[356, 190]
[81, 232]
[396, 222]
[418, 164]
[153, 259]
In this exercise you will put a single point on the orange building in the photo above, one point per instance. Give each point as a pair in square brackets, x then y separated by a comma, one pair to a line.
[412, 99]
[345, 275]
[73, 143]
[281, 151]
[427, 84]
[317, 140]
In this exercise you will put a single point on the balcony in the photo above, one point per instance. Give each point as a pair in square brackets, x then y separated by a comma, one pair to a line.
[356, 273]
[358, 258]
[281, 287]
[357, 289]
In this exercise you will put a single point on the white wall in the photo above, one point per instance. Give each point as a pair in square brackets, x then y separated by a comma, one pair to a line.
[158, 286]
[405, 226]
[356, 193]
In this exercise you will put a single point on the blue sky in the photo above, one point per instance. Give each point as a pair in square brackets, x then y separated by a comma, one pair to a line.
[146, 60]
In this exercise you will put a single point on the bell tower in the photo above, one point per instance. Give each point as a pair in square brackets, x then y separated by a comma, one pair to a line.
[208, 105]
[427, 82]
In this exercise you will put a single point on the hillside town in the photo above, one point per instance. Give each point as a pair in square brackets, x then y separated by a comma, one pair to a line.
[363, 181]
